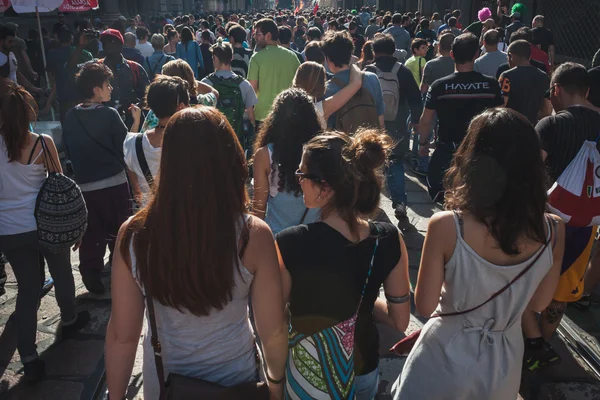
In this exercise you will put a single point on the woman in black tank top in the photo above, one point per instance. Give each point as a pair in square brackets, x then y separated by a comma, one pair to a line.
[325, 264]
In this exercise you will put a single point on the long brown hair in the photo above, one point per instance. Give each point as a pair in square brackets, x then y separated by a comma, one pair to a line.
[498, 176]
[310, 76]
[186, 238]
[17, 110]
[183, 70]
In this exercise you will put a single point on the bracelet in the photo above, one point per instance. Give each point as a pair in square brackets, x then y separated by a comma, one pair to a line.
[277, 382]
[397, 300]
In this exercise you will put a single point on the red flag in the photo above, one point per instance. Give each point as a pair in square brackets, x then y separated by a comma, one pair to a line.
[78, 5]
[296, 10]
[316, 9]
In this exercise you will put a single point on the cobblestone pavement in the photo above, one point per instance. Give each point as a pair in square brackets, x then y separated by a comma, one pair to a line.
[75, 367]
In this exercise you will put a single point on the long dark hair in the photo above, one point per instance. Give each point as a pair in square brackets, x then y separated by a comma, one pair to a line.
[17, 110]
[293, 121]
[350, 166]
[498, 176]
[186, 242]
[186, 36]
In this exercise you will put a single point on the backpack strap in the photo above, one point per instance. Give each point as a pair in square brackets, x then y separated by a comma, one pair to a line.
[135, 70]
[141, 157]
[396, 68]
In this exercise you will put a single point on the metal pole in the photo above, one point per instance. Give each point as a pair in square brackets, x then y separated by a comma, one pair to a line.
[37, 14]
[420, 7]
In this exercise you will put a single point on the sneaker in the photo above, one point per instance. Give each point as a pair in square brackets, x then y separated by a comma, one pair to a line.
[536, 359]
[400, 213]
[584, 302]
[93, 283]
[82, 320]
[48, 285]
[34, 371]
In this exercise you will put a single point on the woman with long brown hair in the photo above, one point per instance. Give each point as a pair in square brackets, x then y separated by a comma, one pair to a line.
[367, 57]
[23, 171]
[486, 260]
[197, 258]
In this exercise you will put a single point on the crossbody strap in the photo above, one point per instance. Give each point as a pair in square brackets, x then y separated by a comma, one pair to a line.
[141, 157]
[160, 371]
[33, 149]
[509, 284]
[362, 294]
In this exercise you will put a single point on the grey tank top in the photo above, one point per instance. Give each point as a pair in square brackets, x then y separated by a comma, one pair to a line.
[218, 348]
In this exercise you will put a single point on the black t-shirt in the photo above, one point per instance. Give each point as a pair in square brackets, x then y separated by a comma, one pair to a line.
[459, 97]
[328, 273]
[207, 57]
[594, 94]
[563, 134]
[525, 88]
[543, 37]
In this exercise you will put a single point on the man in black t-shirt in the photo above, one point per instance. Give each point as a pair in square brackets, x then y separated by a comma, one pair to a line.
[543, 37]
[524, 86]
[456, 99]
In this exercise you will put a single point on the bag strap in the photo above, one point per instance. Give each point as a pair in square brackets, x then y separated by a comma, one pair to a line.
[303, 216]
[33, 149]
[141, 157]
[362, 294]
[156, 65]
[509, 284]
[155, 342]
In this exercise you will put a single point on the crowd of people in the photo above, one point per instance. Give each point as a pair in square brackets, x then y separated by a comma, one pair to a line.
[233, 166]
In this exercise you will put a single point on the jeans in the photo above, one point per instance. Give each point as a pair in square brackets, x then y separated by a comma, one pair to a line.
[22, 252]
[366, 385]
[395, 171]
[107, 210]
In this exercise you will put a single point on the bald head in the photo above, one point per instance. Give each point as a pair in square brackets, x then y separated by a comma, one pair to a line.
[129, 40]
[538, 21]
[491, 39]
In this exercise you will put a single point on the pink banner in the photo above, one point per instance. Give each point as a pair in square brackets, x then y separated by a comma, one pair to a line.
[76, 5]
[4, 4]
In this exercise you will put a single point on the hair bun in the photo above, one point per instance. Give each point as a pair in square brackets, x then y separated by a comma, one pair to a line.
[369, 149]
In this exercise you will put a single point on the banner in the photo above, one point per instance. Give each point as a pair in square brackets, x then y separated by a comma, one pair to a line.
[78, 5]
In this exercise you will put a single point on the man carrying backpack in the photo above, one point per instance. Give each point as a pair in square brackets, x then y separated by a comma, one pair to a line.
[400, 93]
[236, 94]
[241, 55]
[366, 107]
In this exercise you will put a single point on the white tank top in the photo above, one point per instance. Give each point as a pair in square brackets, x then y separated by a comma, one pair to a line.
[19, 187]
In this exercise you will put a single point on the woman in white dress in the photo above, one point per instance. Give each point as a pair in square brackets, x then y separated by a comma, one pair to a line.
[495, 229]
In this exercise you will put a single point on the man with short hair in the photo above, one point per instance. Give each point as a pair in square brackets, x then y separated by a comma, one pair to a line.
[8, 61]
[371, 29]
[456, 99]
[452, 25]
[57, 26]
[153, 64]
[408, 98]
[285, 37]
[312, 35]
[562, 135]
[241, 55]
[357, 38]
[205, 27]
[272, 69]
[129, 50]
[143, 45]
[524, 86]
[543, 37]
[365, 17]
[489, 62]
[19, 49]
[514, 26]
[400, 34]
[132, 26]
[441, 66]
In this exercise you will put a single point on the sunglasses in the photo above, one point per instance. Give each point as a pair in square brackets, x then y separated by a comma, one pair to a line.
[550, 91]
[301, 176]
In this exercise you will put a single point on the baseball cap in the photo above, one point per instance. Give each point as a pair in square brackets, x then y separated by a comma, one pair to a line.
[354, 12]
[517, 10]
[516, 14]
[112, 33]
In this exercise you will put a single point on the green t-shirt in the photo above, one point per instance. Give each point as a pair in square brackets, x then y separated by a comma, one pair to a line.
[416, 65]
[274, 68]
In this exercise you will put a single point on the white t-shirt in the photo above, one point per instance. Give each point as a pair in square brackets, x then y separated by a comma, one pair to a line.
[152, 158]
[12, 75]
[146, 49]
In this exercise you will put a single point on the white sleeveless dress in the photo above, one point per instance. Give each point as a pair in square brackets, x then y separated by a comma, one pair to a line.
[477, 355]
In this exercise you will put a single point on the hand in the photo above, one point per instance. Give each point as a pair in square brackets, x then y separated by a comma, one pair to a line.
[77, 245]
[423, 150]
[355, 75]
[136, 112]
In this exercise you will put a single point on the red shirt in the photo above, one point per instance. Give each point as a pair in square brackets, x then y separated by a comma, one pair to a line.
[540, 55]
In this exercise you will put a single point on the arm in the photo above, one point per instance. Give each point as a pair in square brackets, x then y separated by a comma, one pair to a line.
[551, 54]
[125, 325]
[253, 67]
[424, 87]
[267, 301]
[51, 96]
[136, 112]
[425, 126]
[250, 111]
[254, 84]
[440, 234]
[25, 82]
[135, 186]
[262, 169]
[547, 287]
[27, 62]
[333, 103]
[397, 284]
[204, 88]
[413, 94]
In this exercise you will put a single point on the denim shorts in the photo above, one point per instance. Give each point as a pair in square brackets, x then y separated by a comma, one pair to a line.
[367, 385]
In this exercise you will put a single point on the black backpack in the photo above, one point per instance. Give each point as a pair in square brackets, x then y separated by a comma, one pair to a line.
[60, 210]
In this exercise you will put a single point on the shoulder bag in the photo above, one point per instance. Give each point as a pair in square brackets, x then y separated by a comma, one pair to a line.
[404, 346]
[141, 157]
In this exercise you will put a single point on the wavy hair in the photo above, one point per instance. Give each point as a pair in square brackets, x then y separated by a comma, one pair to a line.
[498, 176]
[292, 122]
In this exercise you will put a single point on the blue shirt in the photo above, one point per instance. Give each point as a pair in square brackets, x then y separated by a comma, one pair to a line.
[192, 54]
[441, 28]
[154, 63]
[370, 82]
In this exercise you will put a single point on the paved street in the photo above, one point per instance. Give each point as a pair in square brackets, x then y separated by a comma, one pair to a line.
[75, 367]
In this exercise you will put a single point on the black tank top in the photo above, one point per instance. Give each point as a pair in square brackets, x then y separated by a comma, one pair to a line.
[328, 273]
